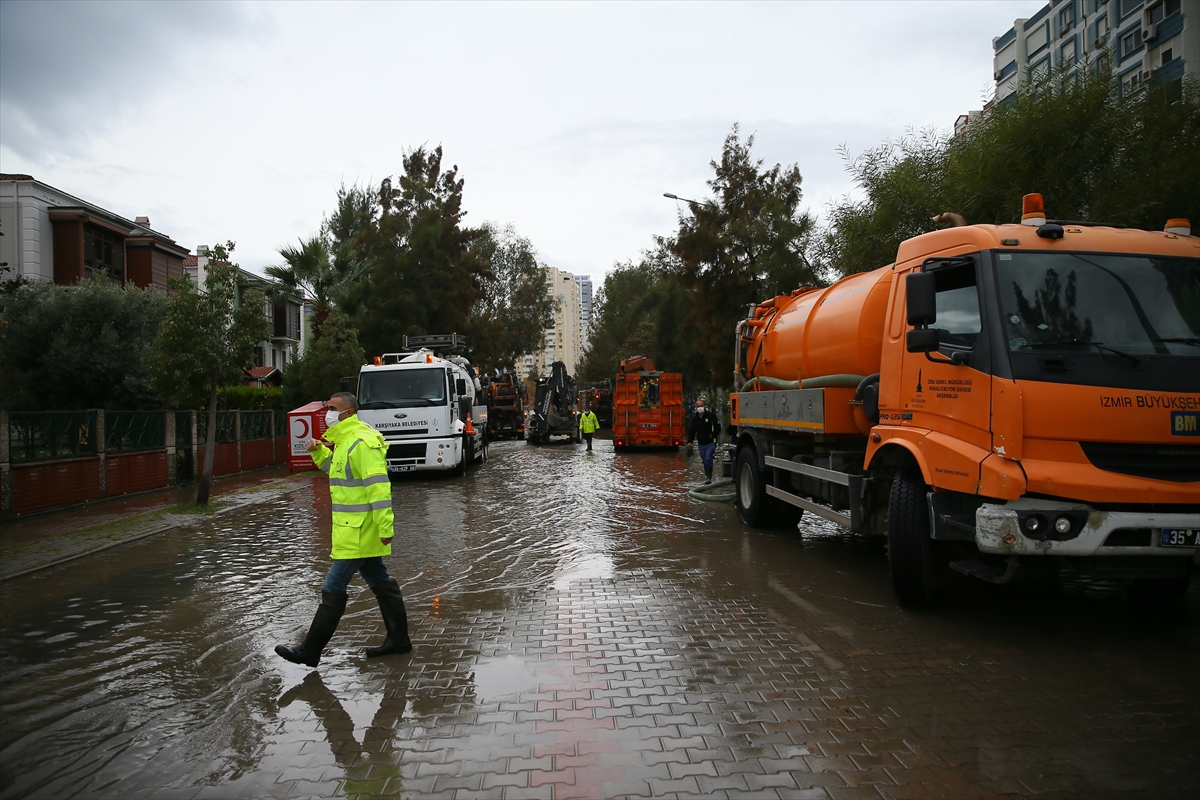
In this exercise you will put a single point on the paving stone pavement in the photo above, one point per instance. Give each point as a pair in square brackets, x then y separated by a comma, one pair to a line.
[643, 688]
[618, 642]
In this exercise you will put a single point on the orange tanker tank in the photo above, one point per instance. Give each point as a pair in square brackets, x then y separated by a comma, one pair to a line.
[815, 333]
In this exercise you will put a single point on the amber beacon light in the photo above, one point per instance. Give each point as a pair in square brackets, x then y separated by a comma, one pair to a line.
[1033, 210]
[1179, 226]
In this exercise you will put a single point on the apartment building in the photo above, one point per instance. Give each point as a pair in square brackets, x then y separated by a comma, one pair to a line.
[564, 337]
[585, 305]
[1147, 41]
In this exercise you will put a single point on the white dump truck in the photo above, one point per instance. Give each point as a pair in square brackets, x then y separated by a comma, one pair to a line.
[428, 404]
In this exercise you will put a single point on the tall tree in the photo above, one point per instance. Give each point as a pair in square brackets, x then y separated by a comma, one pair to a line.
[77, 347]
[513, 308]
[334, 356]
[640, 309]
[743, 246]
[206, 338]
[312, 268]
[1093, 150]
[424, 270]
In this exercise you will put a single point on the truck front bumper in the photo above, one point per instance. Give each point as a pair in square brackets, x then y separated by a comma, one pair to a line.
[999, 529]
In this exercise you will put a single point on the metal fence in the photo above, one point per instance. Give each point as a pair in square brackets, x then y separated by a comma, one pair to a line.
[256, 425]
[43, 435]
[125, 431]
[226, 427]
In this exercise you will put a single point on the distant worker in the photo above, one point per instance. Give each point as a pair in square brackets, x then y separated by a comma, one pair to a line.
[361, 493]
[705, 429]
[588, 424]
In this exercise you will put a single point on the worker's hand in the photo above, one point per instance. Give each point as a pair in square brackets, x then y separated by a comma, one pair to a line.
[388, 540]
[311, 444]
[688, 450]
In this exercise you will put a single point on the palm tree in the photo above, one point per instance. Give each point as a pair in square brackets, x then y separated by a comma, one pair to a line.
[310, 269]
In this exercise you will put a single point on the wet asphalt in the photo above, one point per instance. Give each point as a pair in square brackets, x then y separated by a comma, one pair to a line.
[582, 628]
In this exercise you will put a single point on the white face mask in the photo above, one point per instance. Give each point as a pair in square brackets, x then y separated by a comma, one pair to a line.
[331, 418]
[699, 409]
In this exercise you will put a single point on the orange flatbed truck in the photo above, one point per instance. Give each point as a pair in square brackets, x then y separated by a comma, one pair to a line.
[647, 408]
[1000, 397]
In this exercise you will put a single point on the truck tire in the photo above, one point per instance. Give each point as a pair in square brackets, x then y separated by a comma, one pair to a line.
[910, 547]
[750, 489]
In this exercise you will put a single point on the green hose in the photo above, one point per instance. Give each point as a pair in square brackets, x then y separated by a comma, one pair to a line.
[823, 382]
[705, 492]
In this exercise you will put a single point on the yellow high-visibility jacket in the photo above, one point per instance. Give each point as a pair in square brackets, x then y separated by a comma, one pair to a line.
[588, 422]
[359, 488]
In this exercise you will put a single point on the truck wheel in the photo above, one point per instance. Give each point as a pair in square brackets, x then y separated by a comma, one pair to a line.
[910, 548]
[750, 489]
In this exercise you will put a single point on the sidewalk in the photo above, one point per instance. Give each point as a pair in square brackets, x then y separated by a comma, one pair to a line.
[37, 541]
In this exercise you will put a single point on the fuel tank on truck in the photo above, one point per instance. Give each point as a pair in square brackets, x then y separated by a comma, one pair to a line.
[813, 333]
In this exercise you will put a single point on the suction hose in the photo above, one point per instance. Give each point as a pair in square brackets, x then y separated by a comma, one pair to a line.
[706, 492]
[823, 382]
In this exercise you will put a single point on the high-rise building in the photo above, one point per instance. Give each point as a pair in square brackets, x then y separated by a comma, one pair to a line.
[585, 305]
[564, 337]
[1148, 41]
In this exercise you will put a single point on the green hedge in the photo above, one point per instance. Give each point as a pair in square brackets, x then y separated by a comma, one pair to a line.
[250, 398]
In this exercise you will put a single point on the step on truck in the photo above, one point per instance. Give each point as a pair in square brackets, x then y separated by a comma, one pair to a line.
[647, 406]
[1002, 398]
[428, 404]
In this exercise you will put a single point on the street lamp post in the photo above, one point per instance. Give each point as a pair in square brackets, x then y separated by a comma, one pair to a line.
[684, 199]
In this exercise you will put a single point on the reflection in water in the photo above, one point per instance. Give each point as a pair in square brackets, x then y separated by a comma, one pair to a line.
[547, 591]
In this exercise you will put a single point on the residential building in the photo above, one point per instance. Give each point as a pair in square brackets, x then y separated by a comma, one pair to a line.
[284, 310]
[1147, 40]
[53, 236]
[585, 307]
[564, 337]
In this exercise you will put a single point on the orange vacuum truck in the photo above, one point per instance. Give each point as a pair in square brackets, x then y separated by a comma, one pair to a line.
[647, 408]
[1001, 398]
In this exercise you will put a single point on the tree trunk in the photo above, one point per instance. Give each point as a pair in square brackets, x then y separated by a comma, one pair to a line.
[210, 448]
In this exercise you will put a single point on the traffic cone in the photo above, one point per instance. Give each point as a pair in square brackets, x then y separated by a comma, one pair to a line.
[470, 429]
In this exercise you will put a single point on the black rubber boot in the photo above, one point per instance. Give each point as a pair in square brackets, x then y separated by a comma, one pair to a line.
[708, 474]
[395, 619]
[324, 623]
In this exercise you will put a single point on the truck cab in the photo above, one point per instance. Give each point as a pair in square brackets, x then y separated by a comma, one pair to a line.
[428, 407]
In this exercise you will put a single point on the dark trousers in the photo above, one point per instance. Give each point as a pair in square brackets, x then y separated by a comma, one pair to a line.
[588, 436]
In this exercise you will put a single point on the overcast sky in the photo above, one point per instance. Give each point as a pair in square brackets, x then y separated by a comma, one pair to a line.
[567, 120]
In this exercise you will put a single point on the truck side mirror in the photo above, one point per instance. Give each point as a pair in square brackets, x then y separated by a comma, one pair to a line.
[923, 340]
[460, 386]
[920, 290]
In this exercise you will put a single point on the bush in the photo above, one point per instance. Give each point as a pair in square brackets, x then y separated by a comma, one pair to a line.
[71, 347]
[250, 398]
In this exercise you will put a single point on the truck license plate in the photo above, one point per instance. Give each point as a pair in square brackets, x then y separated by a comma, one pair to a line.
[1180, 537]
[403, 468]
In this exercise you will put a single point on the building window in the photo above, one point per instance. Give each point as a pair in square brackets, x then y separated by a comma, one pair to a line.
[1066, 18]
[1069, 53]
[1166, 56]
[1131, 41]
[1160, 11]
[1127, 7]
[104, 250]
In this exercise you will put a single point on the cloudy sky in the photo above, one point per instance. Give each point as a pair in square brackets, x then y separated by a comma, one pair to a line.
[567, 120]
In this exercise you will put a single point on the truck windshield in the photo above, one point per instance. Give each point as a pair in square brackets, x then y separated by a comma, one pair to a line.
[402, 388]
[1134, 305]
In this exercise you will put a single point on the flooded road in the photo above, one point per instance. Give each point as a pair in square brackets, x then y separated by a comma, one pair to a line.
[582, 629]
